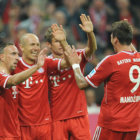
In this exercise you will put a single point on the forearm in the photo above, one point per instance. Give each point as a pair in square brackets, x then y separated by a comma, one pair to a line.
[64, 62]
[64, 44]
[20, 77]
[80, 79]
[92, 46]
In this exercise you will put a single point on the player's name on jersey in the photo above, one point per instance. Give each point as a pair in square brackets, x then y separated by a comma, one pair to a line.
[123, 61]
[130, 99]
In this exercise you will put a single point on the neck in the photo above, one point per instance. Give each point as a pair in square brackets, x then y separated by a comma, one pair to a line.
[28, 61]
[123, 48]
[4, 68]
[57, 56]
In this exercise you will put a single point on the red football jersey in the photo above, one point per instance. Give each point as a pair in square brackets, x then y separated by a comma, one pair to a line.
[34, 106]
[9, 123]
[120, 108]
[67, 100]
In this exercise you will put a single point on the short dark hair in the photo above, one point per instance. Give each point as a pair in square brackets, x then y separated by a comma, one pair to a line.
[4, 45]
[48, 35]
[123, 31]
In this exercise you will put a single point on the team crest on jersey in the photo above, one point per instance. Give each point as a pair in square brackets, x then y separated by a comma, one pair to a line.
[15, 91]
[41, 70]
[91, 73]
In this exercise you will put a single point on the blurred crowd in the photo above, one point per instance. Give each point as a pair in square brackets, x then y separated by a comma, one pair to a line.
[35, 16]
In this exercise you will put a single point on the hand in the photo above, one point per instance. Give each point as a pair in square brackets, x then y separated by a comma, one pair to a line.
[58, 32]
[41, 57]
[86, 25]
[72, 56]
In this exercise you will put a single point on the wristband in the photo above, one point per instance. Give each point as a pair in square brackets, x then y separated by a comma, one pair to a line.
[74, 66]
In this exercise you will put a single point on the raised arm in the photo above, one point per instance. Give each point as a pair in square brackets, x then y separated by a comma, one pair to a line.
[60, 35]
[22, 76]
[74, 61]
[87, 26]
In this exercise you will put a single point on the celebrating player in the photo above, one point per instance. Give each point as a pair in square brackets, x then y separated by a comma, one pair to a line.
[34, 109]
[68, 103]
[9, 123]
[119, 116]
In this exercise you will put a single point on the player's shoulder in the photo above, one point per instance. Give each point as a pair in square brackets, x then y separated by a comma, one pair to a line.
[137, 53]
[21, 63]
[107, 58]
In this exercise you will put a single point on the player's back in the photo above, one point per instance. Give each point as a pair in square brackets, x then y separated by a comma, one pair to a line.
[120, 105]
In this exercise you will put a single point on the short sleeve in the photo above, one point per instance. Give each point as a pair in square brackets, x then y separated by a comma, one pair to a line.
[53, 64]
[3, 79]
[102, 71]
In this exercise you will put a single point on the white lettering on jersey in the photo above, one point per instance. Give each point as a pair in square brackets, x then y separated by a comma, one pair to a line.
[136, 59]
[123, 61]
[56, 79]
[130, 99]
[28, 82]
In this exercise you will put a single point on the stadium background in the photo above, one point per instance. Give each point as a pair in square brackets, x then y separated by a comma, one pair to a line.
[20, 16]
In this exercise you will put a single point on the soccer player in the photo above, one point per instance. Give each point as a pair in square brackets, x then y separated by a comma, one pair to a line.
[9, 123]
[68, 103]
[119, 117]
[34, 109]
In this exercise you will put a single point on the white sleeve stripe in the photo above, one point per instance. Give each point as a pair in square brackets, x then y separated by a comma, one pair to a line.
[90, 82]
[4, 85]
[59, 64]
[102, 61]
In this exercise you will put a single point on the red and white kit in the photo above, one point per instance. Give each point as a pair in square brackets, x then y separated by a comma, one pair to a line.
[9, 123]
[34, 108]
[68, 101]
[120, 106]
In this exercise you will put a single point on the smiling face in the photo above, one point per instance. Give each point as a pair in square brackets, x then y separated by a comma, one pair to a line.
[11, 57]
[30, 47]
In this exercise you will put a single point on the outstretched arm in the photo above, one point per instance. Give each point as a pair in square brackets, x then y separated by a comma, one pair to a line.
[22, 76]
[74, 61]
[60, 35]
[87, 27]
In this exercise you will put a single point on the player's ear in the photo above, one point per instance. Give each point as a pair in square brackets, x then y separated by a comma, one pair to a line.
[48, 45]
[116, 40]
